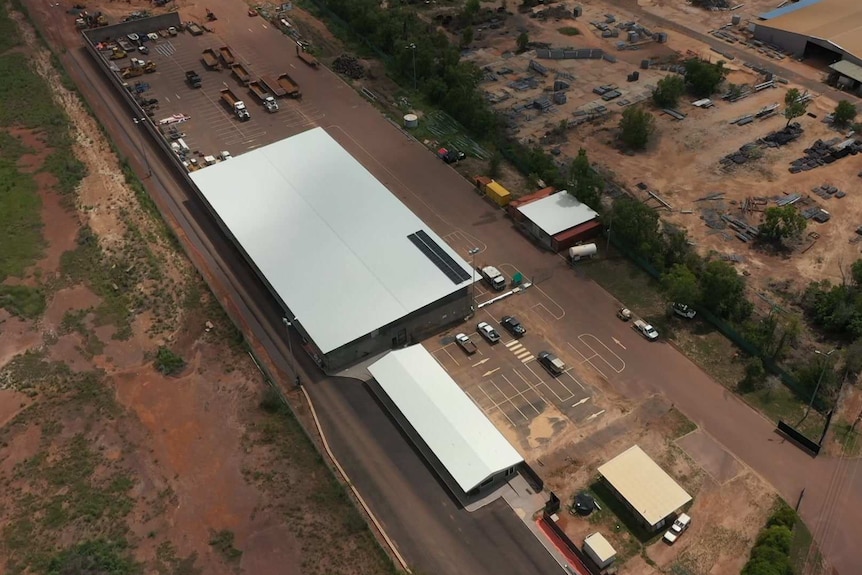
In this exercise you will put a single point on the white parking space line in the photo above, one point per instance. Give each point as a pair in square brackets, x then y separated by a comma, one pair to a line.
[587, 360]
[496, 406]
[607, 355]
[520, 393]
[509, 400]
[553, 309]
[462, 242]
[567, 393]
[531, 387]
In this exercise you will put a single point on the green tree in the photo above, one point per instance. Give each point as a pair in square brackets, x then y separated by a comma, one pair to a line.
[99, 557]
[723, 291]
[471, 8]
[703, 78]
[168, 362]
[853, 358]
[856, 273]
[636, 127]
[636, 226]
[782, 222]
[784, 516]
[844, 113]
[586, 184]
[794, 105]
[755, 376]
[668, 91]
[681, 285]
[777, 537]
[467, 36]
[523, 41]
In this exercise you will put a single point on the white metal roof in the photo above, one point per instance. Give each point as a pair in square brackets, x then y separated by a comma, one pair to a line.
[648, 489]
[600, 546]
[461, 437]
[329, 238]
[557, 213]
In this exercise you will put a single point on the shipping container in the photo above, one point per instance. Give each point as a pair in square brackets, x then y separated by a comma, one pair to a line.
[481, 182]
[586, 231]
[498, 194]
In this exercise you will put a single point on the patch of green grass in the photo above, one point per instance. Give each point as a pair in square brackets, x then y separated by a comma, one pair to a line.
[847, 437]
[23, 301]
[168, 362]
[102, 556]
[777, 402]
[569, 31]
[222, 541]
[626, 282]
[680, 424]
[67, 168]
[106, 277]
[167, 562]
[20, 216]
[709, 349]
[9, 37]
[27, 101]
[74, 321]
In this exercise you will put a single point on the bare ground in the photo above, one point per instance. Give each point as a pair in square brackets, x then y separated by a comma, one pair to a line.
[188, 469]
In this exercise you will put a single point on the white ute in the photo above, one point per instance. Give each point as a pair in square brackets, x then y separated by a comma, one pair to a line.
[678, 528]
[646, 329]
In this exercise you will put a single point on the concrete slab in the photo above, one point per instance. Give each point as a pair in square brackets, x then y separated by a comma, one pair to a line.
[710, 455]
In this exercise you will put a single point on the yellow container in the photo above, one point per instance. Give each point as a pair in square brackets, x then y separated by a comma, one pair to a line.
[498, 193]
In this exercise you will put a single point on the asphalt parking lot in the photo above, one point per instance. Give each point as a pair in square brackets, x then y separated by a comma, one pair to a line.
[506, 378]
[212, 126]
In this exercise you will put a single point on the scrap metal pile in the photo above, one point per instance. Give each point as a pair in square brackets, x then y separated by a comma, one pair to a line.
[349, 66]
[821, 153]
[752, 150]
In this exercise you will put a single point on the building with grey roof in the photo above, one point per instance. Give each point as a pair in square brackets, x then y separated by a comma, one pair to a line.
[355, 271]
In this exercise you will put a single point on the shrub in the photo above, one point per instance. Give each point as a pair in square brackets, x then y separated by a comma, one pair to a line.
[169, 363]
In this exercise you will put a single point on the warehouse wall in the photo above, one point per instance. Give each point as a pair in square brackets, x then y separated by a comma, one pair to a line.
[140, 27]
[408, 330]
[789, 41]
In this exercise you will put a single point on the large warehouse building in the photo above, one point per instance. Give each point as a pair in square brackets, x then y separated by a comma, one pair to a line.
[355, 271]
[455, 437]
[828, 30]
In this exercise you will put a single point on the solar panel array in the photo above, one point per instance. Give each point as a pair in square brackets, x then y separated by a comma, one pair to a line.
[439, 257]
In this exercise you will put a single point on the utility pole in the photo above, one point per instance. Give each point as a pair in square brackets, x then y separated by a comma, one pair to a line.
[819, 380]
[139, 122]
[412, 47]
[473, 252]
[287, 324]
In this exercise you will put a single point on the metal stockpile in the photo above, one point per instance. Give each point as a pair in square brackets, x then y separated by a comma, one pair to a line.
[522, 84]
[543, 104]
[741, 229]
[349, 66]
[827, 191]
[582, 54]
[715, 4]
[783, 136]
[750, 151]
[536, 67]
[817, 214]
[822, 153]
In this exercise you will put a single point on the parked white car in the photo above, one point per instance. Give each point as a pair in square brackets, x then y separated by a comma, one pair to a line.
[646, 329]
[678, 528]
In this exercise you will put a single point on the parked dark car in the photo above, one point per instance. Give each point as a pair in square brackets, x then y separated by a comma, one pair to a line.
[552, 363]
[513, 326]
[450, 156]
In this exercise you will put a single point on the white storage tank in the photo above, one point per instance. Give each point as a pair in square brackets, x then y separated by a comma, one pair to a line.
[599, 550]
[411, 120]
[582, 251]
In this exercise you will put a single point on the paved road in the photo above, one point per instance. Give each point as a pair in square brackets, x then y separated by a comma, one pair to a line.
[447, 203]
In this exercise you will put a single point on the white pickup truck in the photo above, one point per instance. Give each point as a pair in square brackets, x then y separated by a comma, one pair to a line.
[645, 329]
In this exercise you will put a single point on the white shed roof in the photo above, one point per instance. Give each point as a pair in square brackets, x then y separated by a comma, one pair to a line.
[558, 213]
[329, 238]
[648, 489]
[600, 546]
[456, 431]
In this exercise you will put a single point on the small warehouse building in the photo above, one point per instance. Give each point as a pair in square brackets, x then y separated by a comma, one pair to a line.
[557, 221]
[354, 270]
[597, 548]
[825, 30]
[644, 488]
[453, 435]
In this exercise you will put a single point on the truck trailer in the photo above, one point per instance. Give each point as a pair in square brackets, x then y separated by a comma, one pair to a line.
[241, 74]
[306, 57]
[235, 104]
[290, 87]
[227, 56]
[273, 86]
[210, 59]
[263, 96]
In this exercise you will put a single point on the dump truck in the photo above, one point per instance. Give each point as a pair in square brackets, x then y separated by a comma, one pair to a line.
[263, 96]
[210, 59]
[131, 72]
[241, 74]
[226, 56]
[273, 86]
[306, 57]
[193, 79]
[235, 104]
[290, 87]
[118, 54]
